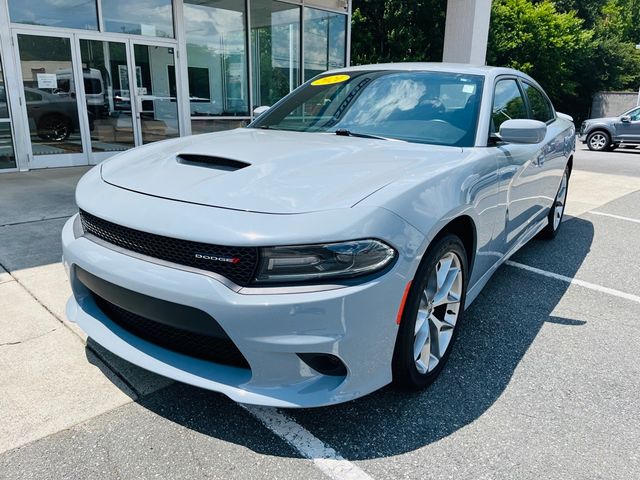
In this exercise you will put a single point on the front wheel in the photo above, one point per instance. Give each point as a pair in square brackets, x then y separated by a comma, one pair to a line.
[556, 212]
[431, 316]
[598, 141]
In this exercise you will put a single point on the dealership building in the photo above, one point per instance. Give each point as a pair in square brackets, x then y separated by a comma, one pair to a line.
[82, 80]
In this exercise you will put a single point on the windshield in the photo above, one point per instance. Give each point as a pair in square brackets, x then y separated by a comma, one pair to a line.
[423, 107]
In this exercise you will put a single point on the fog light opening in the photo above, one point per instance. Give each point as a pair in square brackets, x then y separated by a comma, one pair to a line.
[324, 363]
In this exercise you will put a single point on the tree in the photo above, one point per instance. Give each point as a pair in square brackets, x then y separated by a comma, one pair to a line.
[397, 30]
[535, 38]
[574, 48]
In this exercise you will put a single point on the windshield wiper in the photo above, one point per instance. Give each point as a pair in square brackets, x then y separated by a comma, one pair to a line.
[343, 132]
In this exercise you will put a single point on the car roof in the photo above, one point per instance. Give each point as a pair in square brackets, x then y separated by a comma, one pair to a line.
[484, 70]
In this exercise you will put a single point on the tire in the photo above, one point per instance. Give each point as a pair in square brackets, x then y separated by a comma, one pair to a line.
[556, 212]
[55, 128]
[410, 370]
[598, 141]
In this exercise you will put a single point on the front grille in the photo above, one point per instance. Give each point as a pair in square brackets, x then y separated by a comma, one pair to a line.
[182, 252]
[205, 347]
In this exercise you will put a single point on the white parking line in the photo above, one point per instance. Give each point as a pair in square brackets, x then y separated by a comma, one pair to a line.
[619, 217]
[324, 457]
[575, 281]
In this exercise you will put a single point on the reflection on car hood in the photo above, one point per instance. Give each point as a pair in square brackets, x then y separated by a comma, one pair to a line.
[270, 171]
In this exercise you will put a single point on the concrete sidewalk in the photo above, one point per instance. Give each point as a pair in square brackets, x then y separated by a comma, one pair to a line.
[49, 379]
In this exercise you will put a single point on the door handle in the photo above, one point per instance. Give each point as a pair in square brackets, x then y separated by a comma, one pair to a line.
[540, 160]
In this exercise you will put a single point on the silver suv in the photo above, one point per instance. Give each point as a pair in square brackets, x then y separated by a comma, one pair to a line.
[606, 134]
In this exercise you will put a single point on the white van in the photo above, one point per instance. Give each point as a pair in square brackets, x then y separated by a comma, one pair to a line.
[93, 85]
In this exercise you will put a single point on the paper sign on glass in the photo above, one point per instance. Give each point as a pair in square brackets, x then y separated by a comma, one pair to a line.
[47, 80]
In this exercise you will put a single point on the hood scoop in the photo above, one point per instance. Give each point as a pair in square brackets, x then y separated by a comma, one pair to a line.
[208, 161]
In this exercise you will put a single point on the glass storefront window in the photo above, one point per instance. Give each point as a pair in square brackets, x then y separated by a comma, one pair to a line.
[50, 94]
[324, 41]
[7, 156]
[214, 125]
[107, 95]
[275, 47]
[217, 57]
[153, 18]
[60, 13]
[156, 92]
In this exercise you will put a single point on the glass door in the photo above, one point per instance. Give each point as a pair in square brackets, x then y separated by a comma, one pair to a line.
[155, 95]
[50, 103]
[7, 155]
[107, 96]
[89, 96]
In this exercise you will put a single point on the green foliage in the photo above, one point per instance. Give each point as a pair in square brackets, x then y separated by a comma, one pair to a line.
[540, 41]
[572, 57]
[574, 48]
[397, 30]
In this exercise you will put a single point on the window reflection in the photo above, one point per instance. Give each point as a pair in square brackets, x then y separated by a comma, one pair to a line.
[215, 125]
[107, 95]
[275, 44]
[217, 57]
[324, 41]
[153, 18]
[508, 104]
[7, 156]
[55, 13]
[156, 91]
[50, 94]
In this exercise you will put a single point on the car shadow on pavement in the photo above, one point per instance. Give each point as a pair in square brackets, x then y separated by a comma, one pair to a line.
[497, 332]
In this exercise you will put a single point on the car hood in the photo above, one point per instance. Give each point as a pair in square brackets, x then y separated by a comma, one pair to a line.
[270, 171]
[603, 120]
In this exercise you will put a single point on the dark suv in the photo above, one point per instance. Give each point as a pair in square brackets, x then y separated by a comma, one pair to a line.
[606, 134]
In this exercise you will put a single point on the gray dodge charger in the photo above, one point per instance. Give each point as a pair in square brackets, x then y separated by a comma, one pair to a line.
[329, 248]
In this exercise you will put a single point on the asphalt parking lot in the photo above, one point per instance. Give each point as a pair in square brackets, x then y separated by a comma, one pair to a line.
[543, 383]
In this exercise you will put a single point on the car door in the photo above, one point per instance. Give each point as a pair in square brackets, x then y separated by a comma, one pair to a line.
[630, 131]
[552, 159]
[519, 164]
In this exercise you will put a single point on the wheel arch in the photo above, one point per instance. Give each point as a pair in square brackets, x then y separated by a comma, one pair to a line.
[464, 228]
[601, 127]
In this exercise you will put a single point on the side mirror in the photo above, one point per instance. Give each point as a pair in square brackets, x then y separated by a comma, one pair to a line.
[260, 110]
[523, 131]
[625, 119]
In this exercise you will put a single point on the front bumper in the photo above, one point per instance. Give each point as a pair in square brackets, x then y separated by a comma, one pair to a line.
[355, 323]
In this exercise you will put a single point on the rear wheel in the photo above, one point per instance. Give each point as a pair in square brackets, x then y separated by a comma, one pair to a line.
[556, 212]
[432, 315]
[598, 141]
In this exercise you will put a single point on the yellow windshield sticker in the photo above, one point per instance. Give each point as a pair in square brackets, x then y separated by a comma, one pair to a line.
[330, 80]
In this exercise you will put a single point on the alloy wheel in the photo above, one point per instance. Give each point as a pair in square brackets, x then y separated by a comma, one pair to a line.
[598, 141]
[438, 313]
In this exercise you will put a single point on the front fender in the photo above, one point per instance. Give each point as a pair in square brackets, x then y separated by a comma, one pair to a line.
[430, 200]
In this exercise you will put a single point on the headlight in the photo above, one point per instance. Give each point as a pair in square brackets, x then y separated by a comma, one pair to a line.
[329, 261]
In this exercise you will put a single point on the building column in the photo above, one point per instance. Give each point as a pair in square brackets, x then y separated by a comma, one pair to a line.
[467, 31]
